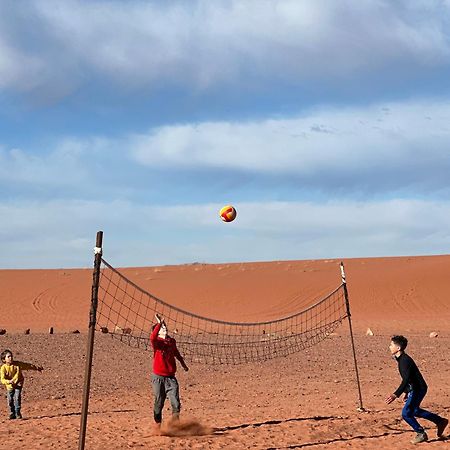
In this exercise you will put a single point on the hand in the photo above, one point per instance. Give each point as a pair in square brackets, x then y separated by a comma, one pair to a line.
[185, 367]
[158, 318]
[390, 399]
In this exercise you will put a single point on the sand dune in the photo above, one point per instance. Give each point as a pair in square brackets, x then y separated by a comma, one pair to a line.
[307, 399]
[383, 291]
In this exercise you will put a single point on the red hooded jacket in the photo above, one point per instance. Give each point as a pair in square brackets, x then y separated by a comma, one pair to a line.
[164, 353]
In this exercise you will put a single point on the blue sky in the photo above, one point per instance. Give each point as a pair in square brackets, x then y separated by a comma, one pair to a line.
[325, 123]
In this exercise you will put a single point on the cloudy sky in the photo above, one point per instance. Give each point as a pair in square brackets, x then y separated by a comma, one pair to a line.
[325, 123]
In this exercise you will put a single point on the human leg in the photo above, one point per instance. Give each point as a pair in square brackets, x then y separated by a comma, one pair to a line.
[173, 392]
[159, 392]
[440, 422]
[424, 414]
[10, 400]
[411, 410]
[408, 412]
[18, 402]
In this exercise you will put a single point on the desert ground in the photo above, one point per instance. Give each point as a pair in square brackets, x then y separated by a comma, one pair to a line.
[305, 400]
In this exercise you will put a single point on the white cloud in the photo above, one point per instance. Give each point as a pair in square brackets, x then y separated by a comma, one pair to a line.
[62, 234]
[388, 143]
[378, 149]
[18, 69]
[202, 43]
[64, 164]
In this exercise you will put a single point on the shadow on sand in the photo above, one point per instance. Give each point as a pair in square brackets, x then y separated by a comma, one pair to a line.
[276, 422]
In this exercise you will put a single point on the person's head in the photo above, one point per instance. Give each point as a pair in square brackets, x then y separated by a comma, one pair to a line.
[7, 356]
[398, 344]
[162, 333]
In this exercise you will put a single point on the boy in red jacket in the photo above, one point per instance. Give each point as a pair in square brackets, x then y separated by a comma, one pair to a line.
[164, 382]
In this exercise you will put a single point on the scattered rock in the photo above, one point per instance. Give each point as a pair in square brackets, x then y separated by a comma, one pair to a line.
[369, 332]
[27, 331]
[75, 332]
[434, 334]
[2, 331]
[118, 329]
[126, 331]
[104, 330]
[50, 330]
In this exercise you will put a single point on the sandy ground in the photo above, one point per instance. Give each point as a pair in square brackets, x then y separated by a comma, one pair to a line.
[308, 399]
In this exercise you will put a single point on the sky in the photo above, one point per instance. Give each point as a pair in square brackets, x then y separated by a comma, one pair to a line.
[325, 123]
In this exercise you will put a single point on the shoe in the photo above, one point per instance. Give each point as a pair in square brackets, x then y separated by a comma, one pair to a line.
[420, 437]
[441, 426]
[12, 416]
[18, 415]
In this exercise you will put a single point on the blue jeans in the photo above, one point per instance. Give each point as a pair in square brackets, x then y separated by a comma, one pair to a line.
[165, 387]
[412, 409]
[14, 397]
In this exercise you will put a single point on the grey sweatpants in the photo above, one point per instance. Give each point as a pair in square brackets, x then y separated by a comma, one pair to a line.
[165, 387]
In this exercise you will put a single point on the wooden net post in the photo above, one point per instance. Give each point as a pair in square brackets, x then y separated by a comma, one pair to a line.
[91, 333]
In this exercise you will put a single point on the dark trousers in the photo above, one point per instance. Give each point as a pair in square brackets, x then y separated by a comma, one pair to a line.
[165, 387]
[412, 409]
[14, 397]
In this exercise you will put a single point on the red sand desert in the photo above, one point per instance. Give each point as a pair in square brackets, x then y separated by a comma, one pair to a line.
[308, 399]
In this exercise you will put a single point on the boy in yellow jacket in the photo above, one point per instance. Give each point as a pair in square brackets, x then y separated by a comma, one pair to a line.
[12, 377]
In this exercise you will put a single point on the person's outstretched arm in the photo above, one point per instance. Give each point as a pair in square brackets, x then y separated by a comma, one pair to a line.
[180, 358]
[154, 334]
[405, 371]
[28, 366]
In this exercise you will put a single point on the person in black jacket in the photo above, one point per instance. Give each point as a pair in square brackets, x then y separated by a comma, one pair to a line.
[415, 388]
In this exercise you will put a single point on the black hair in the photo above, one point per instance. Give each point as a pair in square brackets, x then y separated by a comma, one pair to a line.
[4, 353]
[401, 341]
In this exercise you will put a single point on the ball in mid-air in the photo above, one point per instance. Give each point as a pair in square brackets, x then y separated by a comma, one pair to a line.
[227, 213]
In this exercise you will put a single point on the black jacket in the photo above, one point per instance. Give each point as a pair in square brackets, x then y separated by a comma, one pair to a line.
[412, 379]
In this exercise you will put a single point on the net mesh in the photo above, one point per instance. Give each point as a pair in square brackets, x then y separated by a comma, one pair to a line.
[126, 312]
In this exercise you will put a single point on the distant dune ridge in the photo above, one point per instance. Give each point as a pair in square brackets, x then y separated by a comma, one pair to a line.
[387, 293]
[306, 399]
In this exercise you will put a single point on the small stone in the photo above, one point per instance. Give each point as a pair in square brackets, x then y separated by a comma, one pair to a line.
[104, 330]
[27, 331]
[434, 334]
[76, 332]
[369, 332]
[50, 330]
[2, 331]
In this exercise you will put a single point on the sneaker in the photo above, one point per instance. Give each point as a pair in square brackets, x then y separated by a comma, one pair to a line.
[12, 416]
[441, 426]
[420, 437]
[18, 415]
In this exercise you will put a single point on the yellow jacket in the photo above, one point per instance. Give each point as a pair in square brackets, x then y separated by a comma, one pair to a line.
[11, 374]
